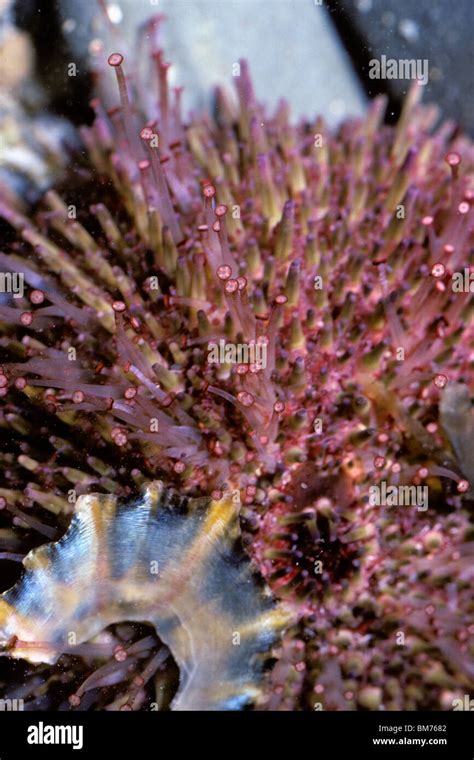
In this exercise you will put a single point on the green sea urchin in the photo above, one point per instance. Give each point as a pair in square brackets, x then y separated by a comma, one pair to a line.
[333, 250]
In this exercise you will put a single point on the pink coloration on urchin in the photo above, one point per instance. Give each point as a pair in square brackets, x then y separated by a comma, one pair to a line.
[334, 261]
[438, 270]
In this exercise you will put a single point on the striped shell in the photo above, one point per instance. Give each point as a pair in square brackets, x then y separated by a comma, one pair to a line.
[172, 562]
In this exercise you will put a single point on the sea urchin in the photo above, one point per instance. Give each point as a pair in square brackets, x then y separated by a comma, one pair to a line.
[334, 254]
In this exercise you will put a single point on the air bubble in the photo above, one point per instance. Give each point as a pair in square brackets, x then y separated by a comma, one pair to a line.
[209, 191]
[231, 286]
[224, 272]
[453, 158]
[120, 654]
[244, 398]
[36, 297]
[438, 270]
[115, 59]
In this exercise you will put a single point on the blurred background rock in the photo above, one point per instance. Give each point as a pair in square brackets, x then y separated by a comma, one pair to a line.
[31, 133]
[315, 55]
[292, 47]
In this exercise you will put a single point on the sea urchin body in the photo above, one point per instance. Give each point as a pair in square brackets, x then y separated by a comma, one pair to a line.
[335, 255]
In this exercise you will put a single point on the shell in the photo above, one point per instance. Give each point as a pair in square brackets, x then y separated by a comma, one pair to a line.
[175, 563]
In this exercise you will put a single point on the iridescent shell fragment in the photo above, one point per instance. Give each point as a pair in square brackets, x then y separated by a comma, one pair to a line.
[175, 563]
